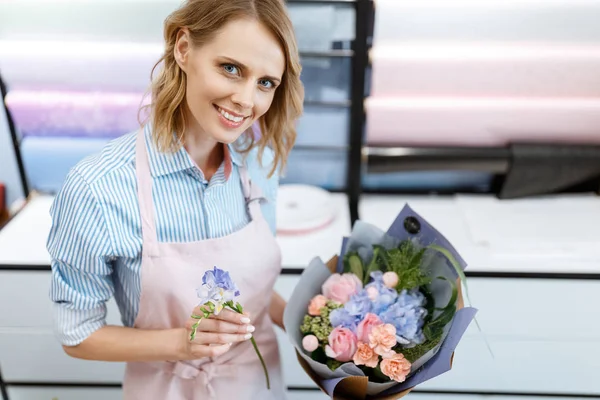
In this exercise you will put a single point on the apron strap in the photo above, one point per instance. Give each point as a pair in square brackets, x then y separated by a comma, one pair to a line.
[144, 182]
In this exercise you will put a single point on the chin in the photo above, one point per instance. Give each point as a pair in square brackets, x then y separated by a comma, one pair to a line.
[228, 136]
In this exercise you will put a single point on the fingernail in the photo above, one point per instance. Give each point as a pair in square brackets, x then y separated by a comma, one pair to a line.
[248, 336]
[245, 320]
[250, 328]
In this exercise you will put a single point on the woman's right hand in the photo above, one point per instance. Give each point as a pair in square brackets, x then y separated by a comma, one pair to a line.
[216, 334]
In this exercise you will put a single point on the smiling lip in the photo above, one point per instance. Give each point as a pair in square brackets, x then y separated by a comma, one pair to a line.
[230, 112]
[226, 121]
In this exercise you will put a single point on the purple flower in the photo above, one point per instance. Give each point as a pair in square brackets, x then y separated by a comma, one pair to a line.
[217, 288]
[218, 277]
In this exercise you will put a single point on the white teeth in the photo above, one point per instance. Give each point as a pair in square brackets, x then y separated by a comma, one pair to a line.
[229, 116]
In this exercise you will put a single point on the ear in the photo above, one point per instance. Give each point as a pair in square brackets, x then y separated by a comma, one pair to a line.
[182, 49]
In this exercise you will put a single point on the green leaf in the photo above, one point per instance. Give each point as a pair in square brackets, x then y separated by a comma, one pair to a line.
[356, 266]
[463, 279]
[455, 264]
[374, 265]
[453, 296]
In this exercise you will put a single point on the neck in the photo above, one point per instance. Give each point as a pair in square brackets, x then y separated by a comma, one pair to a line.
[208, 154]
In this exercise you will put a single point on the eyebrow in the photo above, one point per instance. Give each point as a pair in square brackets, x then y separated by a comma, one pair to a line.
[234, 61]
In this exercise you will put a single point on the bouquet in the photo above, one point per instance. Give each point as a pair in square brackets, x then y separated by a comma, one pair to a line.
[217, 292]
[382, 317]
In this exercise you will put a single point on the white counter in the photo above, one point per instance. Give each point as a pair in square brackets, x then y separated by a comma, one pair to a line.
[549, 235]
[23, 240]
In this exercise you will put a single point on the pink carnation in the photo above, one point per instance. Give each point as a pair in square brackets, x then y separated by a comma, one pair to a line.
[341, 287]
[395, 366]
[365, 356]
[382, 338]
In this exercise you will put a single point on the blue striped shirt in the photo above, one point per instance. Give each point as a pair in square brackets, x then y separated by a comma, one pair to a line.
[95, 240]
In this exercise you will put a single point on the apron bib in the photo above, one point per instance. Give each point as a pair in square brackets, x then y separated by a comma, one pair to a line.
[170, 275]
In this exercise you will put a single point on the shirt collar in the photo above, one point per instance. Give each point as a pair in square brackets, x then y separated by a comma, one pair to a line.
[165, 163]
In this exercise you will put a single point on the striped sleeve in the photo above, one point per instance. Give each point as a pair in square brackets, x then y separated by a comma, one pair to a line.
[80, 250]
[268, 185]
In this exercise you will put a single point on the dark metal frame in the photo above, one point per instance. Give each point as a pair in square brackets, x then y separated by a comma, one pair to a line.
[15, 140]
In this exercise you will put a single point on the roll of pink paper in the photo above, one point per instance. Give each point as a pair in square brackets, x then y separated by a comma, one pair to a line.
[74, 65]
[573, 21]
[481, 121]
[91, 114]
[485, 69]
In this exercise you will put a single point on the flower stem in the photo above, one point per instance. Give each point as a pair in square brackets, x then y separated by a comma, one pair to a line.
[261, 361]
[238, 308]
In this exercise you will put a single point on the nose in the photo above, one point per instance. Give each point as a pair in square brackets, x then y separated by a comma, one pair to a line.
[244, 97]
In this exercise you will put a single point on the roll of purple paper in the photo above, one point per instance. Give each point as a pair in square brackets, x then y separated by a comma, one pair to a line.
[64, 113]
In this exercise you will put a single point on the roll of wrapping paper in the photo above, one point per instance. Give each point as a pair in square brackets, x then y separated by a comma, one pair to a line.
[64, 113]
[47, 160]
[78, 65]
[455, 121]
[490, 20]
[406, 68]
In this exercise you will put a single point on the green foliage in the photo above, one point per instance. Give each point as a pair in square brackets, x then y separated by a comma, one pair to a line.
[320, 326]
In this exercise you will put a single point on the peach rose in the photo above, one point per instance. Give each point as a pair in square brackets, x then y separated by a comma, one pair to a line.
[340, 287]
[382, 338]
[364, 328]
[342, 344]
[315, 305]
[365, 356]
[395, 366]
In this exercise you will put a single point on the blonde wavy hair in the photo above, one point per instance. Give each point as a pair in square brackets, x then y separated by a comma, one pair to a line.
[203, 19]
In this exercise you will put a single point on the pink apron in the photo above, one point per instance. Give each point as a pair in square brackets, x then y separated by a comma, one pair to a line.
[170, 274]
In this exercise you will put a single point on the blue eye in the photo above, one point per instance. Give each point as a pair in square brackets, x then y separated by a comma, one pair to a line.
[230, 69]
[266, 83]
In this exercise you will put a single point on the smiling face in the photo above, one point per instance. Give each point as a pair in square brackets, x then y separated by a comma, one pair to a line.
[231, 80]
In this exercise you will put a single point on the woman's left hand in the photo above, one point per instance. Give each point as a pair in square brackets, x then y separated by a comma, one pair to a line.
[276, 310]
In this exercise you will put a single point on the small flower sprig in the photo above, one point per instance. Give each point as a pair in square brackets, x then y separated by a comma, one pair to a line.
[217, 292]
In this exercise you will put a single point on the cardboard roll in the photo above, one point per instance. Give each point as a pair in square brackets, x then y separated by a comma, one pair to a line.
[303, 209]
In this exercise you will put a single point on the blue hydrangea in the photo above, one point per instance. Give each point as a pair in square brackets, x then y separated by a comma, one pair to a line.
[340, 317]
[386, 296]
[359, 305]
[407, 314]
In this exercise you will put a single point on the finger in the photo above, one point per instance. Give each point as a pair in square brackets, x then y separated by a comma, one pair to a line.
[232, 316]
[201, 351]
[220, 326]
[220, 338]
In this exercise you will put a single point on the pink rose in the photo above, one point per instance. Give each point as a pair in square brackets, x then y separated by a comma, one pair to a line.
[317, 302]
[382, 338]
[395, 366]
[341, 287]
[310, 343]
[364, 328]
[365, 356]
[390, 279]
[342, 344]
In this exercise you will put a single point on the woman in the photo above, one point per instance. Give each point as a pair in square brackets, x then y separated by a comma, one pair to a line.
[144, 219]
